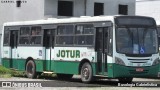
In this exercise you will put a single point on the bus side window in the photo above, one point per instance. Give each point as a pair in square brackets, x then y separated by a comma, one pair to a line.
[99, 40]
[24, 40]
[110, 41]
[24, 35]
[36, 35]
[106, 41]
[65, 35]
[84, 34]
[6, 37]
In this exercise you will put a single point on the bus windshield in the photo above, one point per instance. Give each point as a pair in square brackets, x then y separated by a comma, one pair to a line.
[136, 40]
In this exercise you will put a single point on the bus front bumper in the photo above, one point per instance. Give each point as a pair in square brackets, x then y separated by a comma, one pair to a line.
[125, 71]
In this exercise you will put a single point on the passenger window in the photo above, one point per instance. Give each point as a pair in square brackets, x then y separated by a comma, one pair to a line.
[24, 35]
[24, 40]
[36, 35]
[84, 34]
[65, 35]
[85, 29]
[6, 37]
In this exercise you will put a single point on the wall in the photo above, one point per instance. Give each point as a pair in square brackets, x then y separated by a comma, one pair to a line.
[51, 8]
[31, 10]
[111, 6]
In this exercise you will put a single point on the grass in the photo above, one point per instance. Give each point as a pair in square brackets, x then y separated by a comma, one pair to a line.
[7, 73]
[4, 72]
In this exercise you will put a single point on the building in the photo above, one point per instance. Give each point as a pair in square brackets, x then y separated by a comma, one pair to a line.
[148, 8]
[20, 10]
[24, 10]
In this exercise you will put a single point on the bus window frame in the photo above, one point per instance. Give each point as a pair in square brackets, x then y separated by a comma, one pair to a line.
[19, 44]
[11, 28]
[84, 34]
[158, 30]
[57, 35]
[8, 42]
[74, 45]
[29, 36]
[40, 35]
[136, 26]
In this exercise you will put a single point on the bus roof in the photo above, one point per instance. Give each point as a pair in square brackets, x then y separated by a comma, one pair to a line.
[63, 20]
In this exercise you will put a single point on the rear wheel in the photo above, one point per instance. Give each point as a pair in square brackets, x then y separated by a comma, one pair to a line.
[125, 80]
[30, 69]
[86, 73]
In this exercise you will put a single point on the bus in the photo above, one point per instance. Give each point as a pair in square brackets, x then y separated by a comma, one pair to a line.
[114, 47]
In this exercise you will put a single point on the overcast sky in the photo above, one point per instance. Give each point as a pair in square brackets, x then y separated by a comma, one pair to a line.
[148, 8]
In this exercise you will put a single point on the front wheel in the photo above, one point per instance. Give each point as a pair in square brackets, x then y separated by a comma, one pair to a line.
[30, 69]
[86, 73]
[125, 80]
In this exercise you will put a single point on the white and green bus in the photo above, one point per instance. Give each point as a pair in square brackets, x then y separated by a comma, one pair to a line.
[120, 47]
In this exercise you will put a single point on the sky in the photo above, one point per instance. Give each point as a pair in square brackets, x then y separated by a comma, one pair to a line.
[148, 8]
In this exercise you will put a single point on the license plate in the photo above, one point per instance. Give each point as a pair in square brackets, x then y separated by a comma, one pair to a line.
[139, 69]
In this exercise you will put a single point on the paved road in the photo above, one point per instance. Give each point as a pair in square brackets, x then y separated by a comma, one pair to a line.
[55, 82]
[19, 83]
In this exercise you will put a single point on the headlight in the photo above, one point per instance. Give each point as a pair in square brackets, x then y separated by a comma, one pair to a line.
[156, 61]
[119, 61]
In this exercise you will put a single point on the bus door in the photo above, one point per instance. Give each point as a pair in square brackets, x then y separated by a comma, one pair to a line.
[101, 49]
[49, 35]
[13, 45]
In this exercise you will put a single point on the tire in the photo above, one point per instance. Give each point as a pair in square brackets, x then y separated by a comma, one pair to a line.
[64, 76]
[30, 69]
[125, 80]
[86, 73]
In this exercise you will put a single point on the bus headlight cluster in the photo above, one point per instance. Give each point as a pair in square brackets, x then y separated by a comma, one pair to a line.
[156, 61]
[119, 61]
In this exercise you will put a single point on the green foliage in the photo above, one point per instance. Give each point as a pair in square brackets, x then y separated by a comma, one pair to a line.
[4, 70]
[5, 76]
[6, 73]
[18, 73]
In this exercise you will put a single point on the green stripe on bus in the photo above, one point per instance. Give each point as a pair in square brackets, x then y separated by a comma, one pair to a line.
[66, 67]
[5, 63]
[72, 67]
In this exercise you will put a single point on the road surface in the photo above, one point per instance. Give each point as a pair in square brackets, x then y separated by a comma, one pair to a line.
[22, 83]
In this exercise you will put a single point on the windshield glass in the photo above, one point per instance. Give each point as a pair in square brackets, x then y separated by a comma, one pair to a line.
[136, 40]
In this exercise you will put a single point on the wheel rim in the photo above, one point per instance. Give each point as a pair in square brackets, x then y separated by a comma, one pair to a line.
[85, 73]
